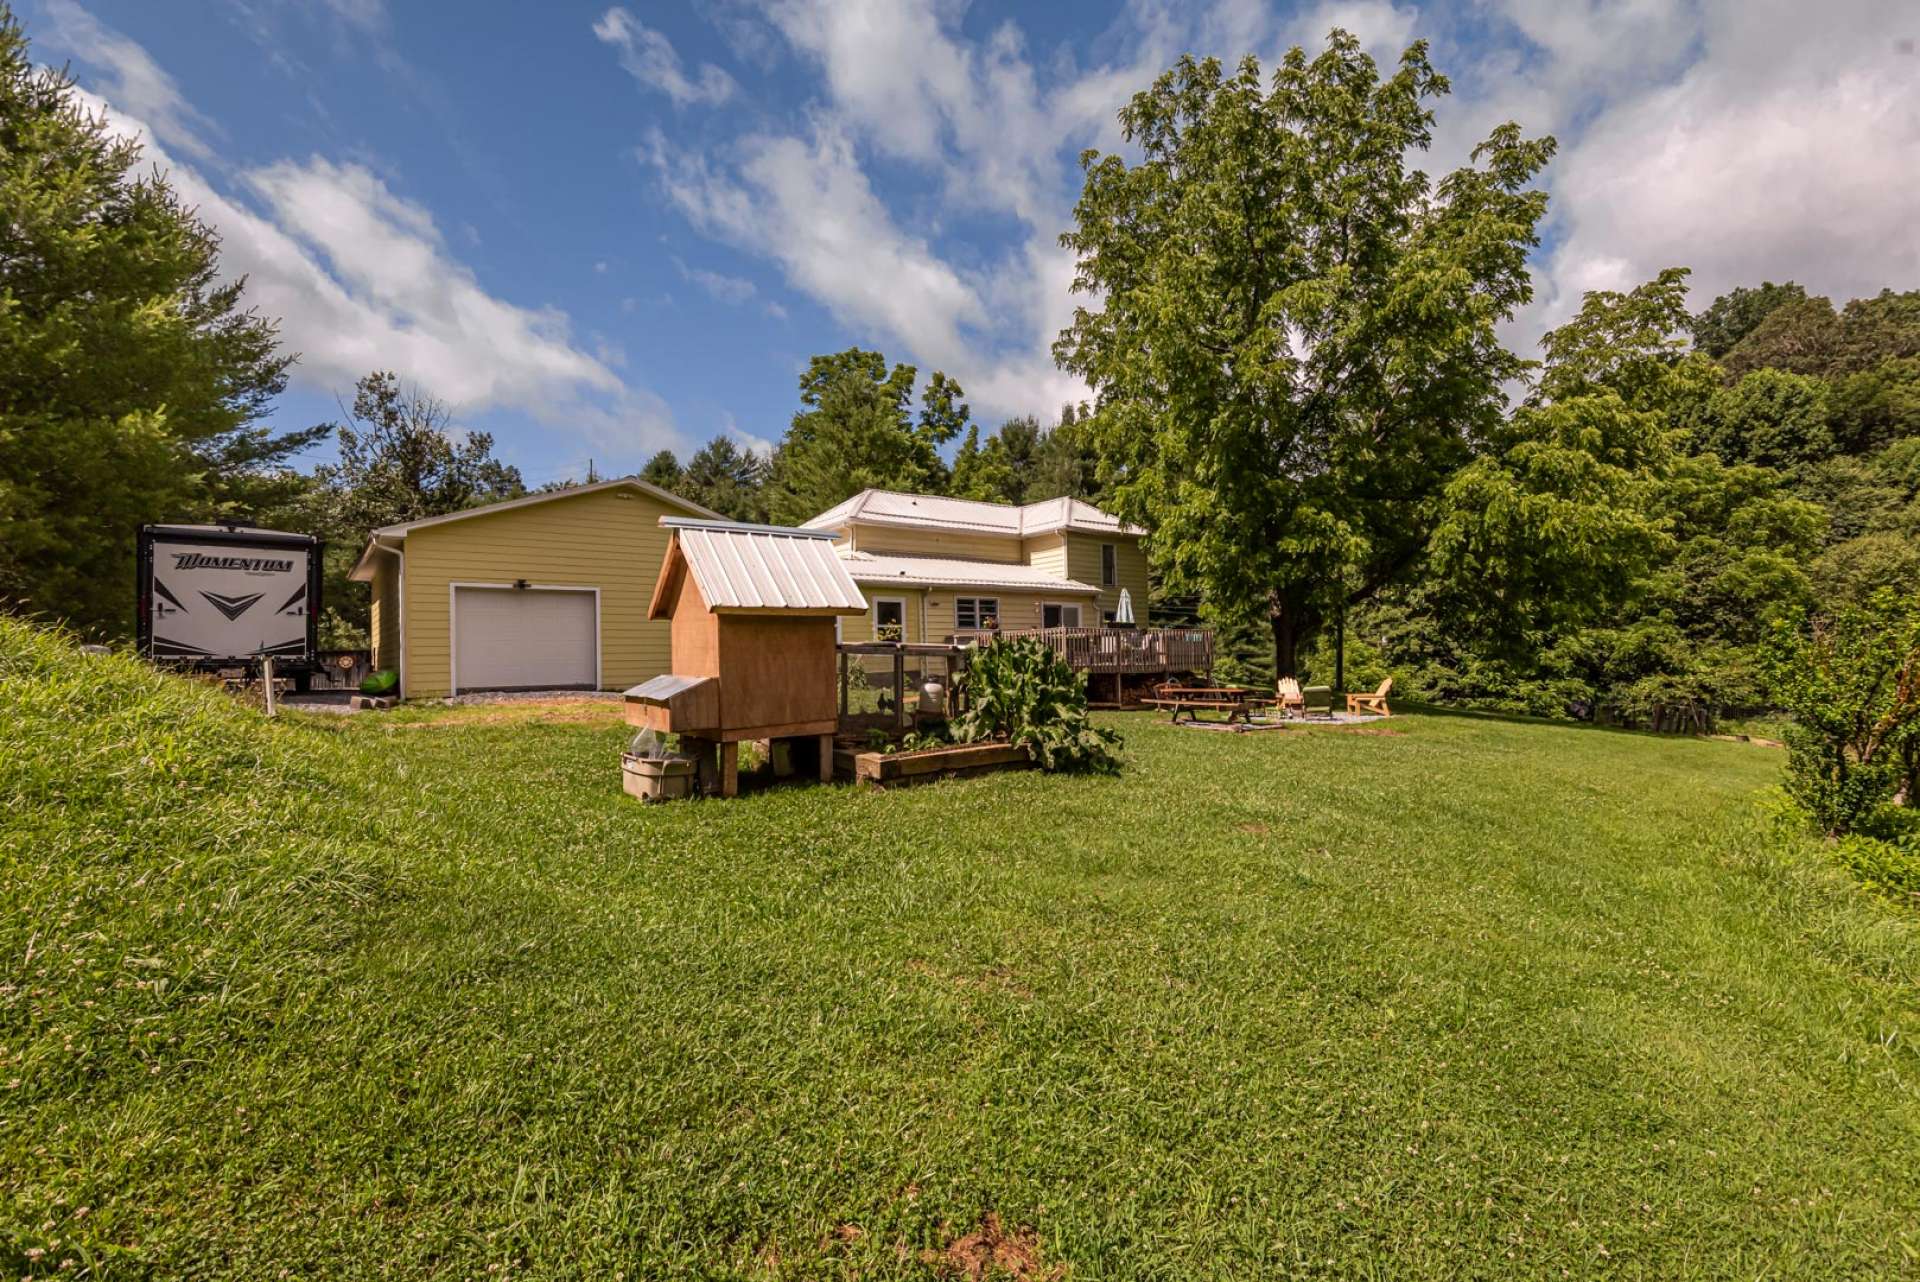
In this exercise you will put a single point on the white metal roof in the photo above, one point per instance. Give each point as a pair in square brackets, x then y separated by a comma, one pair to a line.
[947, 572]
[891, 507]
[765, 567]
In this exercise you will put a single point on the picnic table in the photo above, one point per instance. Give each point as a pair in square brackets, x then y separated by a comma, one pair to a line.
[1235, 701]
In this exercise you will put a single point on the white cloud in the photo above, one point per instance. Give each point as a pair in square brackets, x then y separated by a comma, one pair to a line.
[1747, 139]
[726, 289]
[129, 78]
[360, 279]
[1787, 146]
[368, 15]
[972, 116]
[739, 24]
[365, 281]
[746, 440]
[808, 204]
[649, 58]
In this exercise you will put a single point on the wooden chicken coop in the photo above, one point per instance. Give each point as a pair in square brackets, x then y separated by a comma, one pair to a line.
[752, 609]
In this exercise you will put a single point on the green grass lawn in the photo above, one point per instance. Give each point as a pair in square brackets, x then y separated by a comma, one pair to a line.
[425, 995]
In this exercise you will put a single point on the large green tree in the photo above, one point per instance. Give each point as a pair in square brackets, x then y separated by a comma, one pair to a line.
[1735, 314]
[1006, 468]
[399, 459]
[1552, 524]
[982, 472]
[663, 470]
[1770, 417]
[1587, 562]
[1067, 460]
[1294, 347]
[856, 429]
[133, 380]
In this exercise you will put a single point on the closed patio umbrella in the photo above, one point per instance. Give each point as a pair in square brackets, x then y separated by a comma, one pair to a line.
[1123, 616]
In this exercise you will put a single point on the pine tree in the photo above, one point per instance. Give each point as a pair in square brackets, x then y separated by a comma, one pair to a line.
[132, 379]
[663, 470]
[727, 479]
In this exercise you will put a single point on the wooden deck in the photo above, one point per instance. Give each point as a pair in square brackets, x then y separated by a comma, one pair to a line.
[1122, 651]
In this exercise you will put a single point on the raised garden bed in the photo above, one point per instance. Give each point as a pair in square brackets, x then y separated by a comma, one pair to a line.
[888, 769]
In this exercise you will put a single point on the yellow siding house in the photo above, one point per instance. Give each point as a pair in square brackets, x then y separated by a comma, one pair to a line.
[544, 592]
[932, 567]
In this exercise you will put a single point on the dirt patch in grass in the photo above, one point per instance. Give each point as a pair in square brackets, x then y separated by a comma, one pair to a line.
[998, 979]
[1379, 730]
[1255, 830]
[1755, 740]
[991, 1251]
[556, 712]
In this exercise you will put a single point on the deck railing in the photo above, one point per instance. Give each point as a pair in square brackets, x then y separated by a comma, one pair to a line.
[1118, 649]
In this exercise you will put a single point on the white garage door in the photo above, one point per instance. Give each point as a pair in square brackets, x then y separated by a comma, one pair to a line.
[524, 638]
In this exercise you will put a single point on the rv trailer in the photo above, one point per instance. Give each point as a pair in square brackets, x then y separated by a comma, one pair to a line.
[222, 596]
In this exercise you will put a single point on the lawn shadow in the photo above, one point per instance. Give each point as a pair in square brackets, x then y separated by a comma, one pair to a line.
[1524, 719]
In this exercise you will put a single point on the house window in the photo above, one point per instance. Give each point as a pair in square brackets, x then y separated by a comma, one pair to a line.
[889, 619]
[976, 613]
[1059, 616]
[1109, 566]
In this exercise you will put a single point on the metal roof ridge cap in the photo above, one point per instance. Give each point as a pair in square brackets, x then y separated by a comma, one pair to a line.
[723, 526]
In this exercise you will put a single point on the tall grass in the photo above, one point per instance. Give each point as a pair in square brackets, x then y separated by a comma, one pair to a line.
[426, 996]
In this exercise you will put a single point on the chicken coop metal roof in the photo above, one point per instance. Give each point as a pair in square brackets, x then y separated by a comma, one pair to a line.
[765, 567]
[664, 687]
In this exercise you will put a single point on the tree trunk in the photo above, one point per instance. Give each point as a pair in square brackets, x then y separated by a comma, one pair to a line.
[1340, 652]
[1289, 627]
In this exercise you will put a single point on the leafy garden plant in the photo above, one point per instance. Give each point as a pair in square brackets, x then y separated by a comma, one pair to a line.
[1026, 694]
[1851, 680]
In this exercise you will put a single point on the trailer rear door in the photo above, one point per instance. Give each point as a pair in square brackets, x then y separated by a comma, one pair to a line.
[223, 600]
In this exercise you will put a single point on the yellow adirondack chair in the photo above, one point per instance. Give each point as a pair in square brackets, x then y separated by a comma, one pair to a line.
[1374, 704]
[1287, 695]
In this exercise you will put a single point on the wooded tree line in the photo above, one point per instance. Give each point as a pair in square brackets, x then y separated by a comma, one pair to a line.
[1292, 338]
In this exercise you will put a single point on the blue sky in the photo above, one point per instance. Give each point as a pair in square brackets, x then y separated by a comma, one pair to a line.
[602, 230]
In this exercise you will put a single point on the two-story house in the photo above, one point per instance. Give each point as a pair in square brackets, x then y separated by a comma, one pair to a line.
[932, 567]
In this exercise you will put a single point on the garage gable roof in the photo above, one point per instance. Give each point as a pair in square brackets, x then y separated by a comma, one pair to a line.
[758, 569]
[389, 535]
